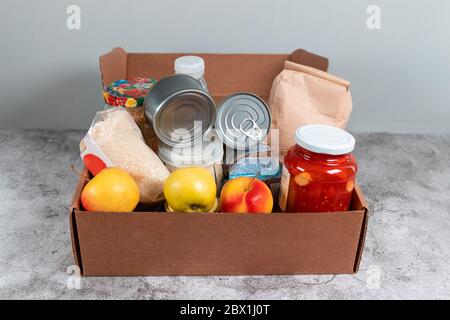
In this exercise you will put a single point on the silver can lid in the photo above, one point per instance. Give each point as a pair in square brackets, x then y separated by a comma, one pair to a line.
[183, 110]
[243, 121]
[185, 118]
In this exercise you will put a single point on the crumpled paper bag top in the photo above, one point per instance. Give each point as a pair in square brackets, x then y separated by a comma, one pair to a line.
[303, 95]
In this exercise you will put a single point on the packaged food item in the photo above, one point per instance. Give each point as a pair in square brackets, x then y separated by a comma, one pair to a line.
[180, 110]
[128, 93]
[319, 171]
[266, 169]
[115, 140]
[303, 95]
[151, 139]
[207, 153]
[263, 168]
[193, 66]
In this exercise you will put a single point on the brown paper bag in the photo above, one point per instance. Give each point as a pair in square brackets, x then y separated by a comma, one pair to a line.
[303, 95]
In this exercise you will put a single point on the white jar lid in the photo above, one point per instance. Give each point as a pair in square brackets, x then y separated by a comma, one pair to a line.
[324, 139]
[189, 65]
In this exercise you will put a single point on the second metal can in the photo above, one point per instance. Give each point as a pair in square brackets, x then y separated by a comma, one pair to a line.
[243, 121]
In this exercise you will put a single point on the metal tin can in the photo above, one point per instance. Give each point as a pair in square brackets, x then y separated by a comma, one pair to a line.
[207, 153]
[243, 121]
[180, 109]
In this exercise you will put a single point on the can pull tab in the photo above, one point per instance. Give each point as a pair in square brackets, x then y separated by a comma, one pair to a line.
[253, 132]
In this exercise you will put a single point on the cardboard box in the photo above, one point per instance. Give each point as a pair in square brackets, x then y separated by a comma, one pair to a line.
[160, 243]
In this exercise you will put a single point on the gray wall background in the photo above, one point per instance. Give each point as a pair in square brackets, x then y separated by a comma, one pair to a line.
[400, 74]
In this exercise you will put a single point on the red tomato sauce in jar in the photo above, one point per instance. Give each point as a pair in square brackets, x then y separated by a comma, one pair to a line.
[319, 171]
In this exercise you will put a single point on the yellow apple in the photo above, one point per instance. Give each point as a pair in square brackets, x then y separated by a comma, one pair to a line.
[190, 189]
[111, 190]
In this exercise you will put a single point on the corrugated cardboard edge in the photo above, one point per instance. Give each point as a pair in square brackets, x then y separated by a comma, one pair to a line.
[76, 207]
[117, 58]
[362, 237]
[313, 60]
[72, 220]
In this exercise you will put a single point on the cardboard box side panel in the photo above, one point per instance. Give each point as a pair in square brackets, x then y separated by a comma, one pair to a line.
[218, 244]
[113, 66]
[318, 245]
[75, 240]
[152, 65]
[362, 241]
[76, 206]
[76, 202]
[309, 59]
[224, 73]
[360, 202]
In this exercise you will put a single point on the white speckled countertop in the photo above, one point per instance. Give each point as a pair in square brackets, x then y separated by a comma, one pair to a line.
[405, 178]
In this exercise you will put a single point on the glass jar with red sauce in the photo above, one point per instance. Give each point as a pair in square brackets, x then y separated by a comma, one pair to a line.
[319, 171]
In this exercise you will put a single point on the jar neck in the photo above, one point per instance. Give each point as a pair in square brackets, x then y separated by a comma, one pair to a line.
[327, 159]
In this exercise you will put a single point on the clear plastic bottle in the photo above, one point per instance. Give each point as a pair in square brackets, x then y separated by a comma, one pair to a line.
[193, 66]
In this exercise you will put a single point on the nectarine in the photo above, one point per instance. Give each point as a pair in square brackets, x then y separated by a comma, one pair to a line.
[246, 195]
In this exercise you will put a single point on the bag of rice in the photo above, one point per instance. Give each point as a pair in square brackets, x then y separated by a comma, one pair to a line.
[114, 140]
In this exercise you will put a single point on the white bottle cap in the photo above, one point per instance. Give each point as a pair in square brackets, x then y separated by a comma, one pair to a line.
[191, 65]
[324, 139]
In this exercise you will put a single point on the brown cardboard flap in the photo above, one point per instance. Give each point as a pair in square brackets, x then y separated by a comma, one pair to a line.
[113, 66]
[306, 58]
[79, 188]
[360, 202]
[224, 73]
[76, 206]
[359, 198]
[75, 239]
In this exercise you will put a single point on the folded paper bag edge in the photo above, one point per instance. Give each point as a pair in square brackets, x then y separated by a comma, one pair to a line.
[289, 65]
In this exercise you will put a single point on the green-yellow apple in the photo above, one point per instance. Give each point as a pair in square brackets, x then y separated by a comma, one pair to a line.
[191, 189]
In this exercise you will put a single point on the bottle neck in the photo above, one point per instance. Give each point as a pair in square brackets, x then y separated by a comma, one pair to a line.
[195, 75]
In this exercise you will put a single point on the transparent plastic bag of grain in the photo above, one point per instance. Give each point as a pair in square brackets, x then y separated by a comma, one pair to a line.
[120, 140]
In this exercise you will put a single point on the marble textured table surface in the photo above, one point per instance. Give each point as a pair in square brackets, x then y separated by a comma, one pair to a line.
[405, 178]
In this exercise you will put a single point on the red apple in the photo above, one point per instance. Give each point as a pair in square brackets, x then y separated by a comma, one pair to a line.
[246, 195]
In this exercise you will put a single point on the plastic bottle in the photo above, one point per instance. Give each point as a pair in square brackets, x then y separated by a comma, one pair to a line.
[193, 66]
